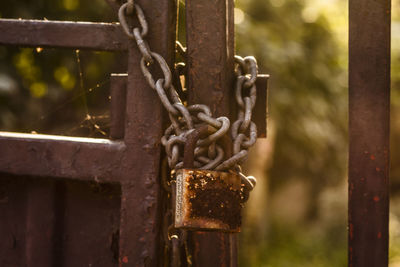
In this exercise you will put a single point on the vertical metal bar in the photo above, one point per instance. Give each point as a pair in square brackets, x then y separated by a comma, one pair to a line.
[140, 202]
[369, 128]
[118, 104]
[210, 51]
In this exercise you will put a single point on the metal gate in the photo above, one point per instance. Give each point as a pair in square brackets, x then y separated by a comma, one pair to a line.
[68, 201]
[87, 202]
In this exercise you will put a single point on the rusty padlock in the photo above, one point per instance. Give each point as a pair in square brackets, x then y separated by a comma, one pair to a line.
[206, 200]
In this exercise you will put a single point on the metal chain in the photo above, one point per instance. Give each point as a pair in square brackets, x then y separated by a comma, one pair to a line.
[208, 154]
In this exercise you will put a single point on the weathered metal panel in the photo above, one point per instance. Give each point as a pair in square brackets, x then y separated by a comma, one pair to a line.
[210, 60]
[65, 34]
[90, 225]
[12, 221]
[50, 222]
[369, 113]
[40, 223]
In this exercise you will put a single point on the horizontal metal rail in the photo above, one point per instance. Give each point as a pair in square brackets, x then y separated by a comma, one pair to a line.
[63, 34]
[60, 156]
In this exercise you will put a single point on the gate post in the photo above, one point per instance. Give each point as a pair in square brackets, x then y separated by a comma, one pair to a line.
[369, 130]
[140, 203]
[210, 60]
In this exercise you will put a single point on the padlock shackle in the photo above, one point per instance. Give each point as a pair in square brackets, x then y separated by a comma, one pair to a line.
[190, 145]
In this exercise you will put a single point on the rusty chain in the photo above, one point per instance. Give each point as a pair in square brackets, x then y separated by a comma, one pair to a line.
[209, 154]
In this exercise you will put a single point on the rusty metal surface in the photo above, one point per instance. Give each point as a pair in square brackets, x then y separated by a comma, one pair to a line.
[369, 110]
[118, 104]
[210, 52]
[65, 34]
[203, 199]
[60, 156]
[208, 200]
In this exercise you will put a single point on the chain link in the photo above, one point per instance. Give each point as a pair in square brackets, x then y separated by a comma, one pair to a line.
[208, 153]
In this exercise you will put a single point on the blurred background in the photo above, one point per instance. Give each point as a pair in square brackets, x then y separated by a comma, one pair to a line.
[297, 214]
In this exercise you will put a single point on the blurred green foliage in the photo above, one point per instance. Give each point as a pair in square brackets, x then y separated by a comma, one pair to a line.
[308, 101]
[303, 45]
[296, 43]
[288, 246]
[394, 225]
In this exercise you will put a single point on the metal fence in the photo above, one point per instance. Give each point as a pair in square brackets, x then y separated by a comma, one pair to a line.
[72, 201]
